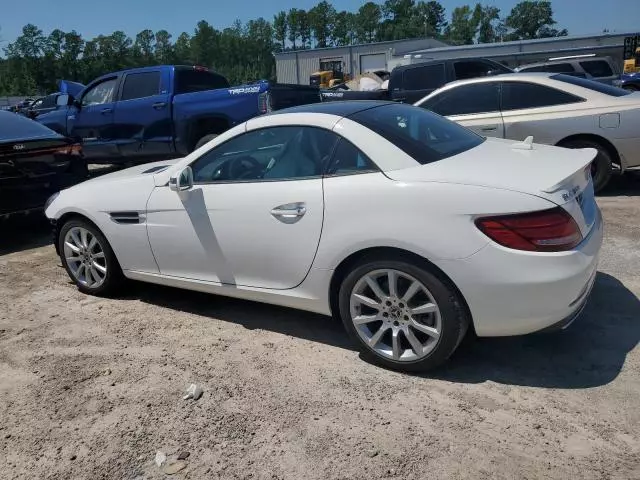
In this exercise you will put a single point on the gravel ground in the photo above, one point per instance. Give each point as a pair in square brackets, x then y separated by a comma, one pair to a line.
[92, 388]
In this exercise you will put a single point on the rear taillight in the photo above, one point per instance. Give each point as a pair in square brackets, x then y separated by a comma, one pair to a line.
[75, 149]
[264, 102]
[546, 231]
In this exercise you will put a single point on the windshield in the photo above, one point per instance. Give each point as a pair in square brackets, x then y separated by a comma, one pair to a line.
[423, 135]
[591, 85]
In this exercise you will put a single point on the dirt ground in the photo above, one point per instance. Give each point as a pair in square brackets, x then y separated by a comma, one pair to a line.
[92, 388]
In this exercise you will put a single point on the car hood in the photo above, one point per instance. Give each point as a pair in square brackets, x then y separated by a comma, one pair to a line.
[554, 173]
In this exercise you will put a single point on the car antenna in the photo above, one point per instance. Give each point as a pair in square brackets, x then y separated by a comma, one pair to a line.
[527, 144]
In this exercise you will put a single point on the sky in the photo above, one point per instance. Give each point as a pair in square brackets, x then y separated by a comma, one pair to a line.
[93, 18]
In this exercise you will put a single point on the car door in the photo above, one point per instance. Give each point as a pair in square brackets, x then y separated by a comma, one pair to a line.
[92, 121]
[419, 81]
[254, 215]
[142, 121]
[531, 109]
[475, 106]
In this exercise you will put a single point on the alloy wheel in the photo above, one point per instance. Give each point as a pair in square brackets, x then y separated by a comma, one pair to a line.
[395, 315]
[85, 257]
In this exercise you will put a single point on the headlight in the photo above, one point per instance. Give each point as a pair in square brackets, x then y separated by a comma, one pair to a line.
[50, 200]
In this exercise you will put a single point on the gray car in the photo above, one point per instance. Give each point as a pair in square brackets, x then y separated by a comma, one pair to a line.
[555, 109]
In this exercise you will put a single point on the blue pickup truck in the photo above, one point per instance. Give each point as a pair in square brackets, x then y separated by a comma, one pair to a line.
[153, 113]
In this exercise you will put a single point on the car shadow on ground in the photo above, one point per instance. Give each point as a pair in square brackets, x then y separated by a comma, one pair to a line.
[24, 233]
[623, 185]
[251, 315]
[590, 353]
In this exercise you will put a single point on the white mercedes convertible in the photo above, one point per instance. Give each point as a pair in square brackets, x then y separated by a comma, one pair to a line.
[407, 226]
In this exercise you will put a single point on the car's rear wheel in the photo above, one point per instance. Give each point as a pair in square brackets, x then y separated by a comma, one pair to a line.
[602, 165]
[88, 258]
[402, 316]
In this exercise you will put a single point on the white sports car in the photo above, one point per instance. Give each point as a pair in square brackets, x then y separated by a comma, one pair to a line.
[409, 227]
[555, 109]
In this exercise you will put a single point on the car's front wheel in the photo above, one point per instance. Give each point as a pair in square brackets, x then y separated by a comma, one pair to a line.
[402, 316]
[88, 258]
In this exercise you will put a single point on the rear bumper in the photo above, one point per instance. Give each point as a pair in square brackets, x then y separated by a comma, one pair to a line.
[510, 292]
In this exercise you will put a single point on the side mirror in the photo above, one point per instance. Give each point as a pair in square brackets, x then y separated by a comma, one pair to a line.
[182, 181]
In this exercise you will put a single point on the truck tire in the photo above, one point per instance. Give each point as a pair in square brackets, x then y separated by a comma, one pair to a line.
[204, 140]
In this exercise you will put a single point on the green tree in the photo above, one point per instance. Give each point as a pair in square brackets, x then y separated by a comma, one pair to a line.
[532, 19]
[322, 19]
[143, 48]
[463, 26]
[163, 50]
[280, 29]
[293, 21]
[344, 28]
[429, 19]
[182, 49]
[367, 22]
[486, 17]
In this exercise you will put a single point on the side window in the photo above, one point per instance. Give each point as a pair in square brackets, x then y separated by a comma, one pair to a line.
[472, 69]
[559, 68]
[277, 153]
[520, 95]
[597, 68]
[348, 159]
[466, 100]
[537, 68]
[140, 85]
[190, 80]
[424, 78]
[101, 93]
[49, 101]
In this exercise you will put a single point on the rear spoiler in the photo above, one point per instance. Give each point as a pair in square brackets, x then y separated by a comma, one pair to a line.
[72, 88]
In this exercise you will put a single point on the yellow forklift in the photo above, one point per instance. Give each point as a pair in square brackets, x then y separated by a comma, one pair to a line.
[632, 54]
[327, 78]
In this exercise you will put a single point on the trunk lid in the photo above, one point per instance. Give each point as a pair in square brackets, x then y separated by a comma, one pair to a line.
[559, 175]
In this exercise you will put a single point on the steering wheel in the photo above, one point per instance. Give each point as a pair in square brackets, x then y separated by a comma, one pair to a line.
[243, 168]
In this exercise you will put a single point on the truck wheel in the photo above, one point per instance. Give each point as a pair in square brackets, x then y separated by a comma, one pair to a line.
[205, 139]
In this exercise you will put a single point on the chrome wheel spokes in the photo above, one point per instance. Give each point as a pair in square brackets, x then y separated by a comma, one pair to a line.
[85, 257]
[395, 314]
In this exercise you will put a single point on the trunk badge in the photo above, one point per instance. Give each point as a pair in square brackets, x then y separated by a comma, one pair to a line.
[18, 146]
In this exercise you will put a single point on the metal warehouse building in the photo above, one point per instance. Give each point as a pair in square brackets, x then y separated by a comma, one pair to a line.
[297, 66]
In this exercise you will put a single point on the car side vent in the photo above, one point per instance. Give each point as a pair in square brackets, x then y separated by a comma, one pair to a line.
[156, 169]
[125, 217]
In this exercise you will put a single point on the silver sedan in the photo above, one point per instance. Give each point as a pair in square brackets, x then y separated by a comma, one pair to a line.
[555, 109]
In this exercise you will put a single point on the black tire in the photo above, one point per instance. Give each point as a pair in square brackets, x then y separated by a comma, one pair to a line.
[114, 278]
[602, 166]
[454, 319]
[630, 88]
[204, 140]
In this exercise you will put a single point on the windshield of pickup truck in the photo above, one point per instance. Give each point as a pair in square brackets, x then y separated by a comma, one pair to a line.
[423, 135]
[189, 80]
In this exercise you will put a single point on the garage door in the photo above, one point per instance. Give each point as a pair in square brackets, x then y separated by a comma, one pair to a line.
[371, 63]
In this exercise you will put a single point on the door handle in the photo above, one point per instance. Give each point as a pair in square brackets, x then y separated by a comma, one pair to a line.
[104, 111]
[489, 129]
[290, 212]
[159, 105]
